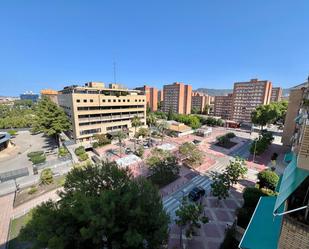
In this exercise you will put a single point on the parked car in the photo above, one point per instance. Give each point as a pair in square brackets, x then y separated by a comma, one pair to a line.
[196, 142]
[196, 193]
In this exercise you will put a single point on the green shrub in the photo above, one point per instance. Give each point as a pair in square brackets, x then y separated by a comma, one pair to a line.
[35, 153]
[251, 196]
[62, 151]
[95, 145]
[80, 150]
[140, 151]
[12, 132]
[230, 135]
[268, 179]
[83, 157]
[229, 241]
[32, 190]
[38, 159]
[46, 176]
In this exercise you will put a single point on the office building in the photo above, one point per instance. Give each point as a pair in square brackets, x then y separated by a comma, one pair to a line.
[223, 106]
[151, 96]
[177, 98]
[201, 102]
[29, 96]
[282, 221]
[248, 96]
[95, 109]
[160, 95]
[295, 101]
[51, 94]
[276, 94]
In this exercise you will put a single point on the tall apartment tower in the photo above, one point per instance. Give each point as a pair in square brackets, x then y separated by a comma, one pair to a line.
[276, 94]
[248, 96]
[223, 106]
[151, 96]
[95, 109]
[200, 101]
[177, 97]
[160, 95]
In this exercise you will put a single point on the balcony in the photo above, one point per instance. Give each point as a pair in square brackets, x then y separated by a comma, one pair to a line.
[303, 154]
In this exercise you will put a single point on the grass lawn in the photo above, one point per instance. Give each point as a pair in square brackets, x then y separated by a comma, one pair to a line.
[15, 228]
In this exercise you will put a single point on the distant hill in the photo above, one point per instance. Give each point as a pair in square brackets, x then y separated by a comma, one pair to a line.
[222, 92]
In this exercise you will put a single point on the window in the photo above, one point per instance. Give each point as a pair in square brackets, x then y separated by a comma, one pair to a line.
[123, 100]
[109, 100]
[143, 100]
[119, 100]
[78, 100]
[114, 100]
[139, 100]
[91, 101]
[85, 100]
[136, 100]
[103, 100]
[128, 100]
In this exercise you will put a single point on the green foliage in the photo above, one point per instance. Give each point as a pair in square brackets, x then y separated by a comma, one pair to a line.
[170, 114]
[220, 186]
[236, 170]
[195, 110]
[261, 144]
[80, 150]
[136, 122]
[140, 151]
[151, 119]
[32, 190]
[12, 132]
[162, 127]
[62, 151]
[50, 119]
[230, 135]
[46, 177]
[101, 207]
[251, 197]
[35, 153]
[160, 115]
[102, 140]
[163, 167]
[243, 216]
[190, 216]
[191, 120]
[268, 179]
[142, 132]
[229, 240]
[38, 159]
[210, 121]
[120, 136]
[191, 153]
[83, 157]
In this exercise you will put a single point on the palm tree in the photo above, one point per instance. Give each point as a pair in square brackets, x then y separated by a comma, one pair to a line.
[135, 122]
[162, 126]
[120, 135]
[151, 119]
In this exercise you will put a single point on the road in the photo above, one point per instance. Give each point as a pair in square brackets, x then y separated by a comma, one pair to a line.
[172, 203]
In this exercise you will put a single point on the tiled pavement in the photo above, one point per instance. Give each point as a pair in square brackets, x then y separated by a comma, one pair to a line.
[6, 209]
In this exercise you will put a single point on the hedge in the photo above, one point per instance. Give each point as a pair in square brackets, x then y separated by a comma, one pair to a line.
[268, 179]
[80, 150]
[35, 153]
[38, 159]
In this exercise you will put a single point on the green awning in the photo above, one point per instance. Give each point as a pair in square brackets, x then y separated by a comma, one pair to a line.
[264, 228]
[292, 177]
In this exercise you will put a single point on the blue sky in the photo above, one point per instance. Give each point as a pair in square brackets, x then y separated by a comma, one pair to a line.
[207, 43]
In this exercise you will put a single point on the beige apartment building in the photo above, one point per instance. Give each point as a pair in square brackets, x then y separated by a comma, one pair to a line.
[151, 96]
[95, 109]
[200, 101]
[223, 106]
[295, 101]
[177, 98]
[276, 94]
[248, 96]
[160, 95]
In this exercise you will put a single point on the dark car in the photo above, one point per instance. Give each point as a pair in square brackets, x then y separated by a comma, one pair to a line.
[196, 193]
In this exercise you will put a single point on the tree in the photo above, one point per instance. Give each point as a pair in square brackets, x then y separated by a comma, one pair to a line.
[140, 151]
[101, 140]
[46, 176]
[120, 135]
[195, 110]
[268, 179]
[236, 170]
[192, 155]
[220, 186]
[136, 122]
[162, 126]
[206, 109]
[163, 166]
[143, 132]
[190, 216]
[101, 206]
[50, 119]
[170, 114]
[151, 119]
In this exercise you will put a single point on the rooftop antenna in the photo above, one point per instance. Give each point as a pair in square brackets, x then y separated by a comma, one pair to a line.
[114, 72]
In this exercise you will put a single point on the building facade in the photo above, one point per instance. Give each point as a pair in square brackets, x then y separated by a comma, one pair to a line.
[200, 101]
[29, 96]
[94, 109]
[248, 96]
[177, 98]
[295, 101]
[276, 94]
[160, 95]
[223, 106]
[151, 96]
[51, 94]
